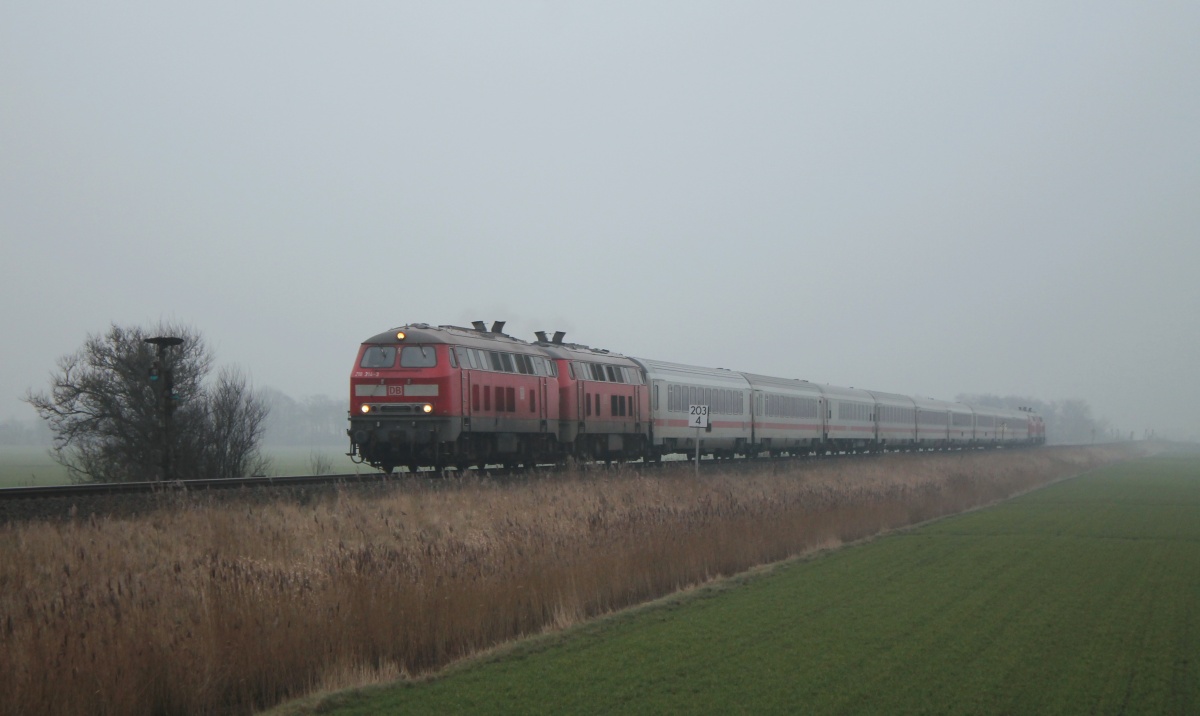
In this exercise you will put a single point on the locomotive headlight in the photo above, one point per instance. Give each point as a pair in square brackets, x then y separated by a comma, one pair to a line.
[366, 408]
[427, 408]
[399, 335]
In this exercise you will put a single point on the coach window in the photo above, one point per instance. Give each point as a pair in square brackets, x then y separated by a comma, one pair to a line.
[378, 357]
[506, 360]
[418, 357]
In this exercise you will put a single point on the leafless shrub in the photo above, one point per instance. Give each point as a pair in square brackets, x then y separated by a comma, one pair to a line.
[319, 464]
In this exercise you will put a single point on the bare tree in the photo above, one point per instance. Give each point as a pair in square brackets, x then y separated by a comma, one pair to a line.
[107, 412]
[234, 426]
[319, 464]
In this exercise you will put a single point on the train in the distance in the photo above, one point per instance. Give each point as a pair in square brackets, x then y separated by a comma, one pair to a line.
[447, 396]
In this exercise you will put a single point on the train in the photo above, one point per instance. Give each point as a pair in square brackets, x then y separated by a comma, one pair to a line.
[425, 396]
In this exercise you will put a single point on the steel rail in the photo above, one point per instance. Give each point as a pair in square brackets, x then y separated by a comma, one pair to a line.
[8, 494]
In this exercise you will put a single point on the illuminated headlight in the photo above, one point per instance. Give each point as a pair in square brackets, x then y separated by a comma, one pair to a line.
[366, 408]
[427, 408]
[399, 335]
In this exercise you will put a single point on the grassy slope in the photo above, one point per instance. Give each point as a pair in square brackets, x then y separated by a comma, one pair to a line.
[1080, 598]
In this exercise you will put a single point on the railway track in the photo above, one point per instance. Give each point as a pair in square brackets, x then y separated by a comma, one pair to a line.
[18, 494]
[8, 494]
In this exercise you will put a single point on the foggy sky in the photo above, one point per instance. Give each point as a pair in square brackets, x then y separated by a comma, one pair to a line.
[931, 198]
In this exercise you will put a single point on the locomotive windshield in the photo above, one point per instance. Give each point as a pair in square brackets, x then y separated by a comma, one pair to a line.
[379, 357]
[418, 357]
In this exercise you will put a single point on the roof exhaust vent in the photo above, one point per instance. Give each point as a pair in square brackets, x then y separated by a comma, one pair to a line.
[541, 336]
[479, 326]
[558, 336]
[498, 327]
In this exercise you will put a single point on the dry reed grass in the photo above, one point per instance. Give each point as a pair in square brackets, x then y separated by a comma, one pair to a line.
[224, 609]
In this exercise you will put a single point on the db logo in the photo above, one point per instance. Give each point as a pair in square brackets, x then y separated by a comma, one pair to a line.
[395, 390]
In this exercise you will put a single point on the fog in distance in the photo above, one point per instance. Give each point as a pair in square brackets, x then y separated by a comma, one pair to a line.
[926, 198]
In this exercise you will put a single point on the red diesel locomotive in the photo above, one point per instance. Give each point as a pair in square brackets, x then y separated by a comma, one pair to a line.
[426, 396]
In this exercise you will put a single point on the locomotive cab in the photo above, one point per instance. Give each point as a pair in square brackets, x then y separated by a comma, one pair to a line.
[401, 399]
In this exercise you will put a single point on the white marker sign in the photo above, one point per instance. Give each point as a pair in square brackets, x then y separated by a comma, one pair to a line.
[698, 416]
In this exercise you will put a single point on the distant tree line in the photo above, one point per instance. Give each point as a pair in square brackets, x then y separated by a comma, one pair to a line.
[16, 432]
[1068, 422]
[316, 420]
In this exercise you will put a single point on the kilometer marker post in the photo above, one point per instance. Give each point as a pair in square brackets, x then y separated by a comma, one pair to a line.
[698, 419]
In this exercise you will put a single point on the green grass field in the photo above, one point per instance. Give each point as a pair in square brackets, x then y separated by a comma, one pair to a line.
[1081, 598]
[29, 466]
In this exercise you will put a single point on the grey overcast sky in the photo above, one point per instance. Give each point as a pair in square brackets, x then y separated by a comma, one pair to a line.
[923, 197]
